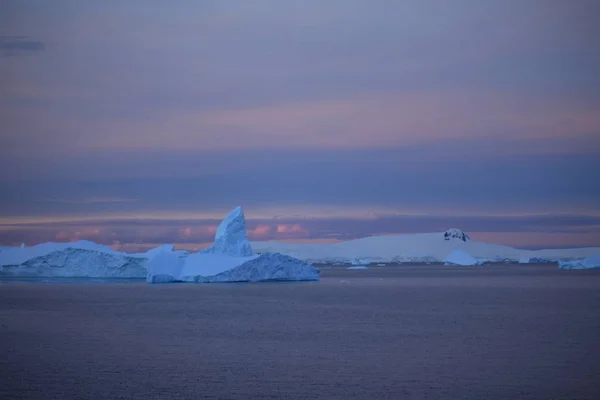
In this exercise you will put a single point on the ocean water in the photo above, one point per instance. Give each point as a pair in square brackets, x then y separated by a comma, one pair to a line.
[425, 332]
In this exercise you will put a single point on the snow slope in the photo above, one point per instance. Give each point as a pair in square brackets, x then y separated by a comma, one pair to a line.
[423, 247]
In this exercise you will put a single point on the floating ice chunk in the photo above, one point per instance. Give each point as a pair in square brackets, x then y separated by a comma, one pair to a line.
[358, 267]
[588, 263]
[459, 257]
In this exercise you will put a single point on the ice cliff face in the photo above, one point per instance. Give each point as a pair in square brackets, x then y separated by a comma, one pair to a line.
[456, 234]
[230, 237]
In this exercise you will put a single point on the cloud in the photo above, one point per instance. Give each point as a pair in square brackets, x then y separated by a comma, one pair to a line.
[259, 232]
[535, 230]
[16, 45]
[91, 200]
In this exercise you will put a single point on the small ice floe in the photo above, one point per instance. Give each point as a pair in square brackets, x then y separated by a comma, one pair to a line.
[460, 258]
[358, 267]
[588, 263]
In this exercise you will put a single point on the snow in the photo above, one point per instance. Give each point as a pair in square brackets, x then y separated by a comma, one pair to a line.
[460, 257]
[590, 262]
[230, 237]
[422, 247]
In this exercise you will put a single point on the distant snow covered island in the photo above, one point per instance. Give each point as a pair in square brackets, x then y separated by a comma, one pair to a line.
[453, 247]
[232, 258]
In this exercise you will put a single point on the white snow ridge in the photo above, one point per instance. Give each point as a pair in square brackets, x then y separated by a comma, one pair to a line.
[229, 259]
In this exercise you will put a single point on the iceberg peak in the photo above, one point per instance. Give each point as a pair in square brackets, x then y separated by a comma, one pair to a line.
[230, 237]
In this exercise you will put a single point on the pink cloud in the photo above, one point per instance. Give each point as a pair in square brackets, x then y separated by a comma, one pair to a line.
[260, 232]
[291, 230]
[199, 232]
[85, 233]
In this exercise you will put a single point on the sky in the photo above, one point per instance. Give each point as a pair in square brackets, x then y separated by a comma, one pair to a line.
[142, 122]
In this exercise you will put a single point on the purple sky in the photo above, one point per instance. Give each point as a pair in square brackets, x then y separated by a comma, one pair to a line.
[142, 122]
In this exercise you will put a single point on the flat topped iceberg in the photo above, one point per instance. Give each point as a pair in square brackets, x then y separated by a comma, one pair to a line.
[230, 237]
[459, 257]
[73, 262]
[590, 262]
[81, 259]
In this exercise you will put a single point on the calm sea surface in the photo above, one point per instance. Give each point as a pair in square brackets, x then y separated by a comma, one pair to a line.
[426, 332]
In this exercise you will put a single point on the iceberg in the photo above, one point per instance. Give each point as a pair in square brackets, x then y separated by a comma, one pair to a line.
[590, 262]
[229, 259]
[230, 237]
[73, 262]
[81, 259]
[460, 257]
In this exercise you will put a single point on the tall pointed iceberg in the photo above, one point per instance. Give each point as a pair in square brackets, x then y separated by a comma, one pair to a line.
[230, 237]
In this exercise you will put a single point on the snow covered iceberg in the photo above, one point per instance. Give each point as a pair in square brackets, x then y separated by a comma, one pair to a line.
[230, 237]
[230, 259]
[587, 263]
[460, 257]
[81, 259]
